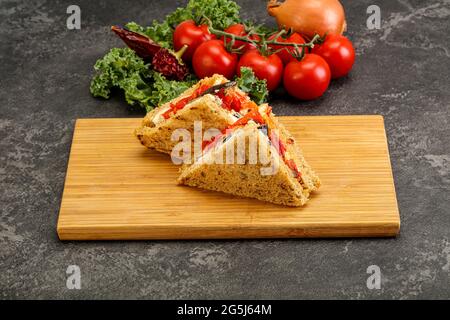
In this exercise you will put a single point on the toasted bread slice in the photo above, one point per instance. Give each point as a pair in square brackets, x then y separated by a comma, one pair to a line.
[205, 109]
[247, 178]
[156, 131]
[309, 179]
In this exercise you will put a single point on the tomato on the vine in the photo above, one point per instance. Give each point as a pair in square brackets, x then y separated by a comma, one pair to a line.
[191, 34]
[308, 78]
[239, 30]
[212, 57]
[286, 53]
[265, 67]
[338, 52]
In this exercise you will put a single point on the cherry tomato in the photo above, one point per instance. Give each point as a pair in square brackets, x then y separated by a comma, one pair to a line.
[191, 34]
[265, 67]
[239, 30]
[307, 79]
[285, 54]
[212, 57]
[338, 52]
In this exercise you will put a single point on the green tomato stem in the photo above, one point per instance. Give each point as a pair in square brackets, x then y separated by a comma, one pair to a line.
[263, 42]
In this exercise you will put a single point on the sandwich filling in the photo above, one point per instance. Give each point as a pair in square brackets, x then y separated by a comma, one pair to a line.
[227, 97]
[261, 117]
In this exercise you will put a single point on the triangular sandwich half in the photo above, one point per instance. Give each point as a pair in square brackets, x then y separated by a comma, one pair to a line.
[217, 109]
[257, 158]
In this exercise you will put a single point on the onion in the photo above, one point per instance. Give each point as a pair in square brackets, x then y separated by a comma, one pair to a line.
[309, 17]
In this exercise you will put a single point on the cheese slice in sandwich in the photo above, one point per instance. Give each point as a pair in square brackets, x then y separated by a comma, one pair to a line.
[217, 109]
[256, 157]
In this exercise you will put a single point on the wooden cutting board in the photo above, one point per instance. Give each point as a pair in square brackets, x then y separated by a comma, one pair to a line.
[117, 189]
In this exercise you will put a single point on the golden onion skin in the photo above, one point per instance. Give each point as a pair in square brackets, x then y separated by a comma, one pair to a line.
[309, 17]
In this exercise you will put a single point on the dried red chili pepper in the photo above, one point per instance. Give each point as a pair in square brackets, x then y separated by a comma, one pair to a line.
[164, 61]
[144, 47]
[170, 65]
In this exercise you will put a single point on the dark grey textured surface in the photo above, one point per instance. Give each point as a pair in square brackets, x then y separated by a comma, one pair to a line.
[402, 72]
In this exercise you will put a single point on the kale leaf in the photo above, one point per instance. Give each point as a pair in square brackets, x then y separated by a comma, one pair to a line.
[222, 13]
[165, 90]
[122, 68]
[256, 89]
